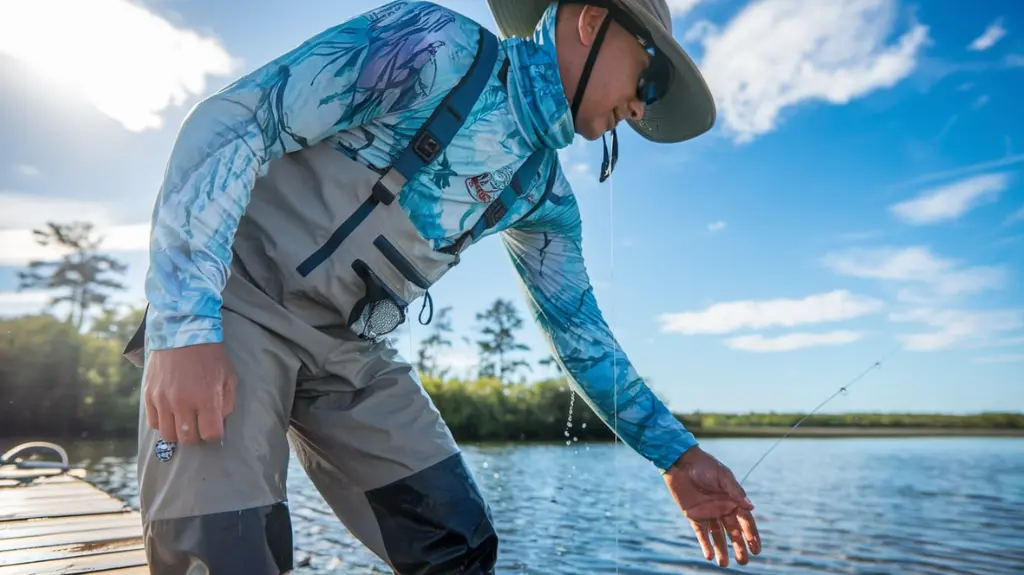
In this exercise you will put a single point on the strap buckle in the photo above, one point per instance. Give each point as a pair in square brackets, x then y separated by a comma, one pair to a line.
[426, 147]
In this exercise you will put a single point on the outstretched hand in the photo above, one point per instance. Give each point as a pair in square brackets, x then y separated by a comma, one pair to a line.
[716, 506]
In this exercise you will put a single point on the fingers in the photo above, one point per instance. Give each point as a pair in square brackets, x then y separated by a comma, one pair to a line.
[718, 537]
[152, 415]
[166, 424]
[738, 494]
[750, 533]
[735, 532]
[230, 385]
[185, 421]
[211, 418]
[700, 529]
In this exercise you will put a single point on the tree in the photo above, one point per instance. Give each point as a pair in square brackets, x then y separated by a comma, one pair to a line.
[550, 362]
[430, 348]
[501, 322]
[81, 277]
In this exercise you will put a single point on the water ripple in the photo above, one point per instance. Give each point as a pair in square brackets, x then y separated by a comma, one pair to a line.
[861, 507]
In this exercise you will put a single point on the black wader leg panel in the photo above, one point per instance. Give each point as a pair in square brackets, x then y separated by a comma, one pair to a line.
[254, 541]
[436, 522]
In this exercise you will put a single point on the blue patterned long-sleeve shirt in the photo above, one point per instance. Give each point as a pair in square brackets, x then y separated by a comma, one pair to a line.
[364, 86]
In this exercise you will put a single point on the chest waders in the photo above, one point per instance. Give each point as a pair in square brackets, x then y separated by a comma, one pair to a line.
[326, 263]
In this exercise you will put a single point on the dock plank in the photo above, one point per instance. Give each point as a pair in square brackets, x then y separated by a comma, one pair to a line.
[58, 525]
[77, 565]
[54, 523]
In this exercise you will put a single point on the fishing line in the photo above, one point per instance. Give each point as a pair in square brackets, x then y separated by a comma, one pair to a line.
[841, 391]
[615, 370]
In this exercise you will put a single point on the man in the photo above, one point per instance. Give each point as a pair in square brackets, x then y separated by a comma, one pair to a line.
[305, 206]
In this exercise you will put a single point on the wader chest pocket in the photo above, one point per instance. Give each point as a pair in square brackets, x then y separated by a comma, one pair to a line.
[381, 310]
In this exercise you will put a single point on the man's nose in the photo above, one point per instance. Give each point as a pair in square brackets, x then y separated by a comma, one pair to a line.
[637, 109]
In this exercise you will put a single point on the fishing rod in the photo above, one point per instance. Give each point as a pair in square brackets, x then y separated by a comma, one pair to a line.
[841, 391]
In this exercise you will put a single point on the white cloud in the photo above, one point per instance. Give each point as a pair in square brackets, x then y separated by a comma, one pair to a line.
[28, 171]
[22, 213]
[989, 37]
[699, 31]
[459, 360]
[989, 165]
[792, 341]
[776, 54]
[726, 317]
[680, 8]
[716, 226]
[1017, 216]
[916, 265]
[951, 201]
[20, 303]
[953, 327]
[577, 167]
[1005, 358]
[128, 62]
[18, 247]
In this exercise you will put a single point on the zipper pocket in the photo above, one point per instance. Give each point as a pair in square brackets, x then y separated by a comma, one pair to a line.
[403, 265]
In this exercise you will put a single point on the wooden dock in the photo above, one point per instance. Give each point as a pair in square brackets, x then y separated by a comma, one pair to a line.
[54, 522]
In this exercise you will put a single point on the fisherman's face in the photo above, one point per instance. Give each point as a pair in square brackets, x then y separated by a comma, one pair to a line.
[611, 92]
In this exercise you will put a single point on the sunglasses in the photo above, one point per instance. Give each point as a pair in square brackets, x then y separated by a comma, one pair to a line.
[654, 80]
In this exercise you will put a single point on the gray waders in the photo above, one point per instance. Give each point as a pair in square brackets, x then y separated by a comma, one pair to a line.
[325, 263]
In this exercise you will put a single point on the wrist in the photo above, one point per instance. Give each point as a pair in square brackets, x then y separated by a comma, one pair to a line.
[685, 458]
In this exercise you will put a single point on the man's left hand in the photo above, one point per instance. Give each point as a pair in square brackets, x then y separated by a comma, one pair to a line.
[715, 504]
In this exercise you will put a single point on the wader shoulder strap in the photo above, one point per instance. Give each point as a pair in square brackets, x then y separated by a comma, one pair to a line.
[516, 189]
[429, 141]
[439, 130]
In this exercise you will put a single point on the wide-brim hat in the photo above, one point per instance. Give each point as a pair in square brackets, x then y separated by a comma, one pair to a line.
[685, 111]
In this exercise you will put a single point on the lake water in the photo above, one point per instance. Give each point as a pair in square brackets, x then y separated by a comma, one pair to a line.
[878, 506]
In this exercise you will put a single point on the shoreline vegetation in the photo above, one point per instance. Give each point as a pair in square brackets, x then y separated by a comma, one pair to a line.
[59, 381]
[64, 376]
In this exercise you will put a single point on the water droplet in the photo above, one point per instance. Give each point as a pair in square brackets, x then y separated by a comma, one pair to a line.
[584, 426]
[485, 465]
[497, 476]
[568, 443]
[575, 439]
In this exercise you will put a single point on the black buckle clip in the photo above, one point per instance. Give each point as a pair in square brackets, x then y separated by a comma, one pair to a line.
[427, 147]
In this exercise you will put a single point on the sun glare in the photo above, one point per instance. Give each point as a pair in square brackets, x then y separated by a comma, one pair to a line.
[131, 64]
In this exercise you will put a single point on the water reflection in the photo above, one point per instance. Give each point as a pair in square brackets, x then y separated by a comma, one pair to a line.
[859, 506]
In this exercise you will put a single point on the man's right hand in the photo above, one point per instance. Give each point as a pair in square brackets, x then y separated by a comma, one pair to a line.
[189, 392]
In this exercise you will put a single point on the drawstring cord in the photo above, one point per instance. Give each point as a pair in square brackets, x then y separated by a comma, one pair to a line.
[427, 300]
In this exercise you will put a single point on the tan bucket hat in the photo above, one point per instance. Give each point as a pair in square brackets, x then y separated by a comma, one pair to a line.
[685, 111]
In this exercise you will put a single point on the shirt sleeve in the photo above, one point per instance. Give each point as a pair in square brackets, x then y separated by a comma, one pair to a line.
[343, 77]
[546, 250]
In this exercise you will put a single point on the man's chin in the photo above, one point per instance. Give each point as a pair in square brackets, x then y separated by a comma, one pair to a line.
[590, 133]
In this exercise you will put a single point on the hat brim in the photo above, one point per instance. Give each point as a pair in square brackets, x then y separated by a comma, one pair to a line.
[687, 109]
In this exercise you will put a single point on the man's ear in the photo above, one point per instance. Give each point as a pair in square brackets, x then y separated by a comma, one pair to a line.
[591, 18]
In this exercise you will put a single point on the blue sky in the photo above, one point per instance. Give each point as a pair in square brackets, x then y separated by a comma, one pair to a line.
[862, 192]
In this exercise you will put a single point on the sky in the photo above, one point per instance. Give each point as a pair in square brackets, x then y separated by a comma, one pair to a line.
[860, 198]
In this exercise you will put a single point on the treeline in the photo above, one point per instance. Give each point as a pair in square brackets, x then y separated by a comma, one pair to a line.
[58, 381]
[63, 374]
[726, 421]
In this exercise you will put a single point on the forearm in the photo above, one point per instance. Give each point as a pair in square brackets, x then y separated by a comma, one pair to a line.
[206, 189]
[600, 370]
[551, 267]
